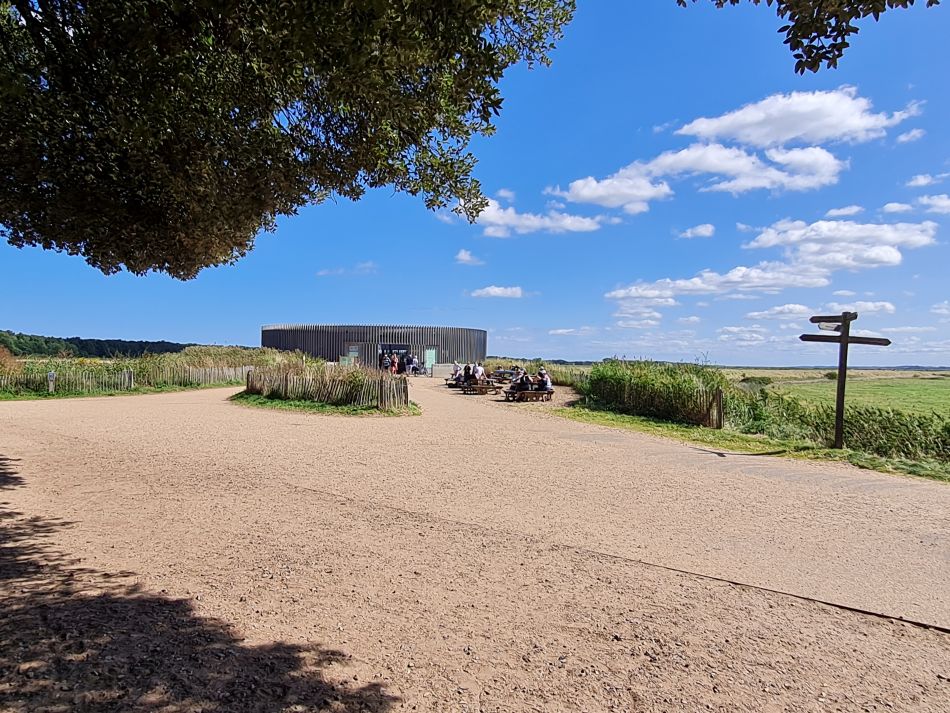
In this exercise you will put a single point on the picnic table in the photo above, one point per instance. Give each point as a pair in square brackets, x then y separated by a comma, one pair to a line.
[482, 387]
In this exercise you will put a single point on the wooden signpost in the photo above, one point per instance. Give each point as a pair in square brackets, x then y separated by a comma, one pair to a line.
[841, 323]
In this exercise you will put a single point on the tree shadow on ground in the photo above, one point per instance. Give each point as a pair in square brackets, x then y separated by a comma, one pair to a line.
[76, 639]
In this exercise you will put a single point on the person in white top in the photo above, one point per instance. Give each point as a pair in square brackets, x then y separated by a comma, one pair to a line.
[479, 372]
[544, 380]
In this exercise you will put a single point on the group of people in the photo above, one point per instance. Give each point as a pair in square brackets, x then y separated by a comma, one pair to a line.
[470, 372]
[407, 364]
[521, 380]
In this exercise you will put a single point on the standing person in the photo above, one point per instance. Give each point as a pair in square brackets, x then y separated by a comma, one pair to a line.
[456, 369]
[479, 371]
[394, 367]
[415, 365]
[385, 363]
[467, 373]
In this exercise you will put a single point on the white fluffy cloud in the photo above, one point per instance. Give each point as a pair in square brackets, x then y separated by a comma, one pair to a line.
[500, 222]
[936, 204]
[692, 319]
[925, 179]
[787, 311]
[628, 189]
[464, 257]
[865, 307]
[643, 307]
[812, 253]
[845, 212]
[941, 308]
[506, 195]
[897, 207]
[733, 170]
[706, 230]
[495, 291]
[844, 293]
[761, 158]
[744, 335]
[800, 117]
[912, 135]
[767, 277]
[843, 244]
[738, 171]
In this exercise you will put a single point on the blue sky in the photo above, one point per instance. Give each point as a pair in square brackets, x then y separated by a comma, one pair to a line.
[669, 188]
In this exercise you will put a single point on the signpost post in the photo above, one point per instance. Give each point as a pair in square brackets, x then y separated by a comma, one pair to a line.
[840, 323]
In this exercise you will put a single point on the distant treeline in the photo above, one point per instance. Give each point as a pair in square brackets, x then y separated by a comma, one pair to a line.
[562, 362]
[36, 345]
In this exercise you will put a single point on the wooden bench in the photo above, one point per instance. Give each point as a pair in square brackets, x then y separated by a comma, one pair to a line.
[511, 395]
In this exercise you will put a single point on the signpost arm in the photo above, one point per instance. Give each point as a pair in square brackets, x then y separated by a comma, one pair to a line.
[842, 379]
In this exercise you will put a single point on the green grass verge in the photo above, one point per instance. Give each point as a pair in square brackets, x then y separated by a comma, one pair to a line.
[732, 441]
[914, 395]
[137, 391]
[257, 401]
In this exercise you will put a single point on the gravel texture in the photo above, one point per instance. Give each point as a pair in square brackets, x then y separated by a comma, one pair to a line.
[177, 552]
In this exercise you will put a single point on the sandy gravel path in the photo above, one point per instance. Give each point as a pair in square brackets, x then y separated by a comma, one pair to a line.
[181, 553]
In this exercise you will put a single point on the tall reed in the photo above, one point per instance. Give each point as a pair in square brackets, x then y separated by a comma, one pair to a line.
[670, 392]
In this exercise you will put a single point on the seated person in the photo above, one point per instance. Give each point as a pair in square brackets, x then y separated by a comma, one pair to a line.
[544, 380]
[521, 381]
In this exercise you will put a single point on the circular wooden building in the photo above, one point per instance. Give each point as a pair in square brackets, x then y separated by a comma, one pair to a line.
[432, 345]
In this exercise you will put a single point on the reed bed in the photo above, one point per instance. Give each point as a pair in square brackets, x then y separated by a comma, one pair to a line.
[682, 393]
[70, 379]
[333, 385]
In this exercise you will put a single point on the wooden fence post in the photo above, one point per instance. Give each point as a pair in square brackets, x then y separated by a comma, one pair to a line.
[720, 416]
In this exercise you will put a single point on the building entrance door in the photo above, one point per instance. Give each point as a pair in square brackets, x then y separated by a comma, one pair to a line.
[431, 357]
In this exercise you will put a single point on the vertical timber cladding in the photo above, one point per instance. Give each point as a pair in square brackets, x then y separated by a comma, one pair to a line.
[331, 341]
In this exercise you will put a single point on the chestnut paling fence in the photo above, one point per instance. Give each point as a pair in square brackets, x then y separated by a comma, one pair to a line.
[335, 385]
[88, 381]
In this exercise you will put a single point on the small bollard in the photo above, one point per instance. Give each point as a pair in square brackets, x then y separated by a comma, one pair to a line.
[51, 381]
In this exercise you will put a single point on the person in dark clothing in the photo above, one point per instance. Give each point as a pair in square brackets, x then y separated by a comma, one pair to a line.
[521, 381]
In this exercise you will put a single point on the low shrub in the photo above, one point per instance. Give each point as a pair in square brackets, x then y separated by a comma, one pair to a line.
[756, 381]
[888, 433]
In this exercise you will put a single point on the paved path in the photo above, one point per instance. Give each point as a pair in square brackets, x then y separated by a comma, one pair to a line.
[829, 531]
[833, 532]
[491, 546]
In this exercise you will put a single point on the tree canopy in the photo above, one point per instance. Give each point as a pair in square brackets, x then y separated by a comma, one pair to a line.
[817, 31]
[164, 135]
